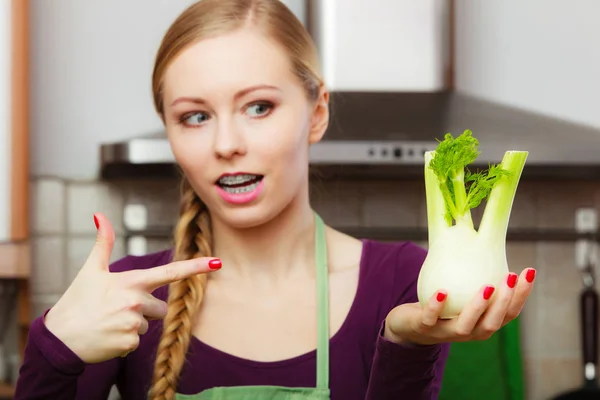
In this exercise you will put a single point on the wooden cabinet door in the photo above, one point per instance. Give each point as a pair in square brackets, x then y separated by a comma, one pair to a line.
[14, 160]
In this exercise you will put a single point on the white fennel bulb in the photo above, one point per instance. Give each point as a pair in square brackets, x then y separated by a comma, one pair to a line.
[462, 259]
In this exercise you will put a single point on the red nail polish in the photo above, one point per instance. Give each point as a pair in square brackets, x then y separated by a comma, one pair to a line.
[441, 297]
[530, 276]
[215, 264]
[512, 280]
[96, 222]
[488, 292]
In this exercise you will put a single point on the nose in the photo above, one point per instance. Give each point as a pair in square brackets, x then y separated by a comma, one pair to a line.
[229, 140]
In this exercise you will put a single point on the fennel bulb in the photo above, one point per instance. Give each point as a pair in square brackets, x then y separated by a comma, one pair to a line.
[462, 259]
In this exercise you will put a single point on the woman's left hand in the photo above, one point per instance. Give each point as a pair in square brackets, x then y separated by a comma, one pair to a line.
[414, 324]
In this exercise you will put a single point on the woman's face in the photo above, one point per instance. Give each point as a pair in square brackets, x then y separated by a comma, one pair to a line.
[240, 125]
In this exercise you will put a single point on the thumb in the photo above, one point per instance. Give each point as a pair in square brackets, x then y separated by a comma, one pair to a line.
[105, 240]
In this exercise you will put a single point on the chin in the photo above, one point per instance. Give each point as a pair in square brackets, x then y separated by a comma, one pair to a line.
[244, 217]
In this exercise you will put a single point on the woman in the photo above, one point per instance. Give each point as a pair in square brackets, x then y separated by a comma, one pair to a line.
[237, 85]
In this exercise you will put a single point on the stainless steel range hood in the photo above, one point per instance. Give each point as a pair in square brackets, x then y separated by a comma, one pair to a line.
[383, 135]
[379, 126]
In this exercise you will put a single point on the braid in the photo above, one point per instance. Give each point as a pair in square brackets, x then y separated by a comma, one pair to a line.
[192, 239]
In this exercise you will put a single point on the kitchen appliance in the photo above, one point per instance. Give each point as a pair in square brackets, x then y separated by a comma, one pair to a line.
[384, 135]
[392, 100]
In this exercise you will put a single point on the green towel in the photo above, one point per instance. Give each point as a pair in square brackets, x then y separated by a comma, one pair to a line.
[490, 369]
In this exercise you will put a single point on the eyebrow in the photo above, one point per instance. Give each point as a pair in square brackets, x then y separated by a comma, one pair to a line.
[241, 93]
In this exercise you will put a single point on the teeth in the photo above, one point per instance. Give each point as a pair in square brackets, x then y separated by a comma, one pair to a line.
[242, 189]
[237, 179]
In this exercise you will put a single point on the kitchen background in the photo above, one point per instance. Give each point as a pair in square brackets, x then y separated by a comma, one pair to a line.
[528, 71]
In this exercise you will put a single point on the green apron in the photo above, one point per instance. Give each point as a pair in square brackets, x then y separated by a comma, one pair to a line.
[321, 392]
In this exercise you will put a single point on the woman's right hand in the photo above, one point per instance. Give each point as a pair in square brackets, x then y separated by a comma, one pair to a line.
[101, 315]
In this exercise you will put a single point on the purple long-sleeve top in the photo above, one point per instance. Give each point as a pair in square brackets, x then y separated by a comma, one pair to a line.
[363, 364]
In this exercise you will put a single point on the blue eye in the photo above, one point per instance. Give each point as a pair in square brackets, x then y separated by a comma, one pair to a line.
[194, 119]
[259, 109]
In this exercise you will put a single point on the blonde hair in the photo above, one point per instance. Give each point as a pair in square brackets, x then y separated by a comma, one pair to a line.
[208, 18]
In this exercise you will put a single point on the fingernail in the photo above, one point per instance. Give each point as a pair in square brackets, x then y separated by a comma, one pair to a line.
[488, 292]
[530, 276]
[96, 222]
[441, 296]
[512, 280]
[215, 264]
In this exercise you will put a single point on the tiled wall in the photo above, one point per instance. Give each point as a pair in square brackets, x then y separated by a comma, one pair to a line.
[64, 232]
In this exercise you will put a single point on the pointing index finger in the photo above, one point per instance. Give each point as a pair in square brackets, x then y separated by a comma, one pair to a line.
[162, 275]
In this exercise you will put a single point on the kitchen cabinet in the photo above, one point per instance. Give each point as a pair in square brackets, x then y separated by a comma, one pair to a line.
[14, 152]
[383, 45]
[14, 160]
[13, 126]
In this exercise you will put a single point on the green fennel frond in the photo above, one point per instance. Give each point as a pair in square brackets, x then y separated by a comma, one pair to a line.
[453, 154]
[480, 184]
[462, 190]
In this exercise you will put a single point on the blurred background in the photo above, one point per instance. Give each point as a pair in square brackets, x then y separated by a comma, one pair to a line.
[79, 135]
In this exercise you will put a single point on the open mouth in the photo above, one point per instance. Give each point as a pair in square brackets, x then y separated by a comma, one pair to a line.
[237, 184]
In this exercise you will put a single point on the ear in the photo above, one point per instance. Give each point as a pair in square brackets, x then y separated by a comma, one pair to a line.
[320, 116]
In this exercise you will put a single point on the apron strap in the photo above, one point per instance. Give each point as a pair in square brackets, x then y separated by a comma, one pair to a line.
[322, 278]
